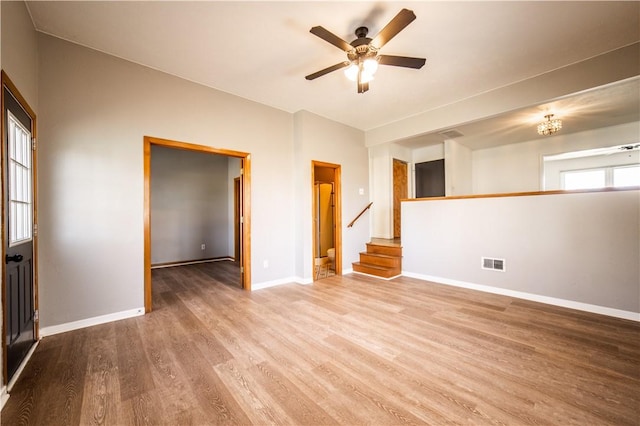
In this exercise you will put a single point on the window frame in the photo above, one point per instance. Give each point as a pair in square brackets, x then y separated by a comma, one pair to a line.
[14, 163]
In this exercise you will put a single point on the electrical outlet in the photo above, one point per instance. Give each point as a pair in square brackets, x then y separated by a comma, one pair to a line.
[265, 264]
[202, 247]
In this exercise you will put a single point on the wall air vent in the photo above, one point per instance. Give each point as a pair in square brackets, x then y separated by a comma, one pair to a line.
[451, 134]
[493, 264]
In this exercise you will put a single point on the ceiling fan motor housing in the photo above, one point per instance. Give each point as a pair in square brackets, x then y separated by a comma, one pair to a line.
[361, 32]
[362, 48]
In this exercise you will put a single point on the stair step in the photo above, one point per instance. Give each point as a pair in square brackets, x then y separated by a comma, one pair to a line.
[378, 271]
[384, 249]
[380, 259]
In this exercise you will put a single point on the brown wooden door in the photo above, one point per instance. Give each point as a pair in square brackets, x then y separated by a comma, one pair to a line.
[18, 233]
[236, 220]
[400, 191]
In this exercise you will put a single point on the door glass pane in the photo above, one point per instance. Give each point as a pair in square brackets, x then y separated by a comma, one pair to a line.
[584, 179]
[626, 176]
[19, 183]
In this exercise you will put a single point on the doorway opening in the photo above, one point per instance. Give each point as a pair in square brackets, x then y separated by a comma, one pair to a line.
[430, 179]
[20, 325]
[241, 209]
[327, 219]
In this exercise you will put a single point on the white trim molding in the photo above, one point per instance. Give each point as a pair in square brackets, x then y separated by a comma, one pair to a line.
[304, 281]
[102, 319]
[4, 397]
[21, 367]
[571, 304]
[288, 280]
[273, 283]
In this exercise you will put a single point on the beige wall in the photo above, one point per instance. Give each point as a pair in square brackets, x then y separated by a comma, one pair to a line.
[319, 139]
[457, 171]
[189, 205]
[574, 248]
[20, 50]
[95, 110]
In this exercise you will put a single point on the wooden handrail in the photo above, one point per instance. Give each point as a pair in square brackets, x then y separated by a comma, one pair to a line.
[359, 214]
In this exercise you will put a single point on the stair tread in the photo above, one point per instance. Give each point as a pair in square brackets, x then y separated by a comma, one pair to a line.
[385, 243]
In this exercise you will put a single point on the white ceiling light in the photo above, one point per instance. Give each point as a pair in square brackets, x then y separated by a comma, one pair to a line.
[366, 69]
[352, 72]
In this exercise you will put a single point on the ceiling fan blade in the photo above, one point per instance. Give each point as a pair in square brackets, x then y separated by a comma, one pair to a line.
[328, 70]
[330, 37]
[401, 61]
[397, 24]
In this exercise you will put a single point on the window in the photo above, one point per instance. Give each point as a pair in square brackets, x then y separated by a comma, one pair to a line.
[626, 176]
[620, 176]
[19, 182]
[583, 179]
[584, 169]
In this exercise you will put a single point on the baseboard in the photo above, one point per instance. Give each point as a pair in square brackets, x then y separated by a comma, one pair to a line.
[300, 280]
[21, 367]
[596, 309]
[191, 262]
[75, 325]
[289, 280]
[304, 281]
[267, 284]
[4, 397]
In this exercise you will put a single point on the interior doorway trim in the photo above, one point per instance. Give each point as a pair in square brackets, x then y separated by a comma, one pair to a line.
[245, 161]
[337, 176]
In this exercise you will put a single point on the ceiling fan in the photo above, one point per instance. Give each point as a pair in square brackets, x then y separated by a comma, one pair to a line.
[363, 52]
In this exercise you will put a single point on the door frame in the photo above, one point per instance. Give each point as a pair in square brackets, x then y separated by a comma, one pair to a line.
[337, 189]
[245, 172]
[6, 82]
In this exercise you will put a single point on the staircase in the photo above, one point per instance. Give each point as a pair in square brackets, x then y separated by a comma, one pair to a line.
[383, 258]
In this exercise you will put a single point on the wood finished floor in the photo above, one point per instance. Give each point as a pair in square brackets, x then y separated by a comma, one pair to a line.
[345, 350]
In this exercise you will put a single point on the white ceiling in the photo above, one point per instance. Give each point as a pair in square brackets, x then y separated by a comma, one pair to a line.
[596, 108]
[262, 50]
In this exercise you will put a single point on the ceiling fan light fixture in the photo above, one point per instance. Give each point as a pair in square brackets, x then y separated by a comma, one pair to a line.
[370, 66]
[550, 126]
[352, 72]
[365, 77]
